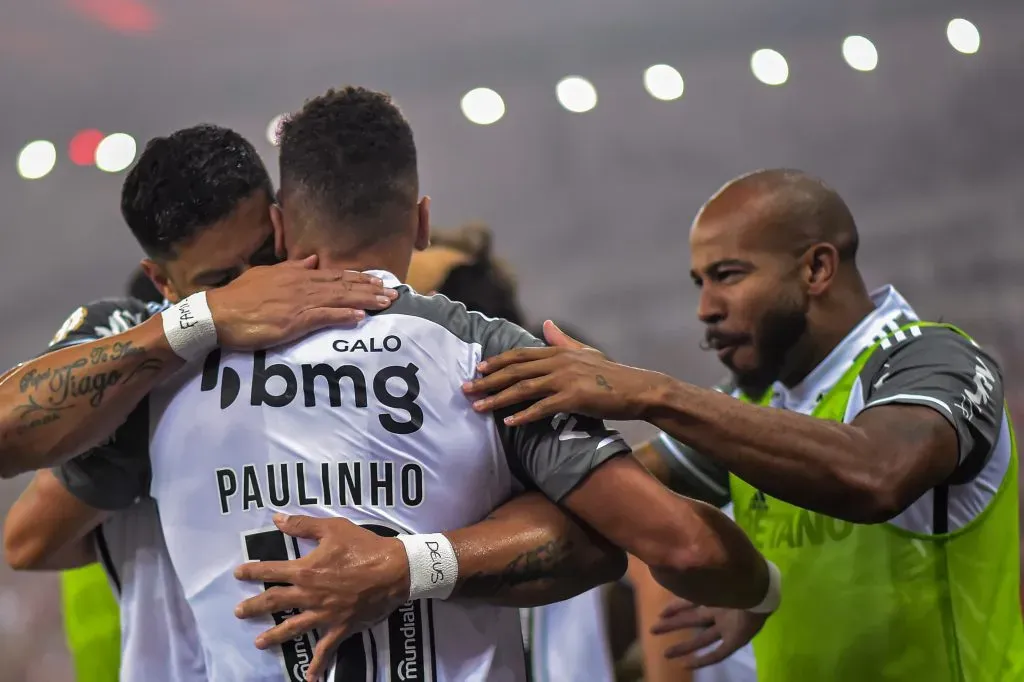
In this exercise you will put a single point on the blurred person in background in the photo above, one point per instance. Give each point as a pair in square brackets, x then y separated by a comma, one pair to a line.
[879, 470]
[566, 640]
[92, 622]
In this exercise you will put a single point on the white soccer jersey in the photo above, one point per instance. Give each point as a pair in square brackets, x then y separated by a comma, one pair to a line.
[159, 641]
[369, 423]
[568, 641]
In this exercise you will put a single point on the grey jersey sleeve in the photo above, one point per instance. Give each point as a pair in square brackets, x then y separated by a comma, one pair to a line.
[942, 370]
[554, 454]
[693, 474]
[114, 475]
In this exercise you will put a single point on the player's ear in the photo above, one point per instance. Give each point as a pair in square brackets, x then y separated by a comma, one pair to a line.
[422, 224]
[821, 263]
[158, 276]
[277, 219]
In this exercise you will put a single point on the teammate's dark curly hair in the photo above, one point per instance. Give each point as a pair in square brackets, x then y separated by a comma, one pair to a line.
[349, 156]
[187, 181]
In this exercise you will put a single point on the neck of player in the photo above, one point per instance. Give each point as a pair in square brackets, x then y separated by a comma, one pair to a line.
[392, 258]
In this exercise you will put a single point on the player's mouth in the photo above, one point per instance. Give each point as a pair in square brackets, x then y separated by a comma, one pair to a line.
[725, 352]
[725, 345]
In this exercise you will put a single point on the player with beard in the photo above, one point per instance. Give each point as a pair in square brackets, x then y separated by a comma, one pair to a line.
[879, 470]
[527, 552]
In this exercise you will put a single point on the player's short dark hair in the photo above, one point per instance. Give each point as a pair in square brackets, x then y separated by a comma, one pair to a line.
[187, 181]
[350, 154]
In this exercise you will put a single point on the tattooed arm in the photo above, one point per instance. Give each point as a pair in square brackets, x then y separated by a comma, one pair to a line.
[530, 553]
[69, 400]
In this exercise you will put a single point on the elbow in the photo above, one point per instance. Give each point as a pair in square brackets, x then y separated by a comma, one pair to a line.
[688, 560]
[871, 498]
[22, 553]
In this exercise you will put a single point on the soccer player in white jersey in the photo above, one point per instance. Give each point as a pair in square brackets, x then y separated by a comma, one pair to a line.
[369, 424]
[206, 244]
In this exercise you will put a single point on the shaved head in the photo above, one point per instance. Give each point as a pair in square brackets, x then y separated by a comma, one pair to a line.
[786, 209]
[774, 254]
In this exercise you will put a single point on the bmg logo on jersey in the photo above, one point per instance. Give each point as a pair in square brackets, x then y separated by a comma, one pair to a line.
[268, 380]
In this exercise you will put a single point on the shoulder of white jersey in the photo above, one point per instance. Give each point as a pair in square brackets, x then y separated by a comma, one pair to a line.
[494, 335]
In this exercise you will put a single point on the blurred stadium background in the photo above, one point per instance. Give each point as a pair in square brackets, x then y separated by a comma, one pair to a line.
[911, 109]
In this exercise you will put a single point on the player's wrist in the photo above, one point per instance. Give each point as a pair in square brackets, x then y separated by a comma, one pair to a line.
[773, 595]
[658, 395]
[189, 328]
[433, 565]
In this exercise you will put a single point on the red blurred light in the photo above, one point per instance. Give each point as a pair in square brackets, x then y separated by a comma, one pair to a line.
[82, 149]
[122, 16]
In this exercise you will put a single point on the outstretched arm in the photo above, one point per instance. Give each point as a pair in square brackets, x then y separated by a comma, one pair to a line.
[65, 402]
[935, 409]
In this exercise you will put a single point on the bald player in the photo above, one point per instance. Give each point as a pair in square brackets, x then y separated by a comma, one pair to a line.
[878, 470]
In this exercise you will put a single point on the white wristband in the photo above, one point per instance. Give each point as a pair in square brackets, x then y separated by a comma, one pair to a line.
[433, 566]
[773, 597]
[188, 326]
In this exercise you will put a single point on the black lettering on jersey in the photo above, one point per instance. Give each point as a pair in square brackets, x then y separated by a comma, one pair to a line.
[276, 385]
[230, 382]
[389, 344]
[406, 401]
[281, 484]
[412, 485]
[227, 486]
[350, 486]
[300, 477]
[326, 478]
[385, 483]
[333, 375]
[283, 498]
[251, 494]
[261, 373]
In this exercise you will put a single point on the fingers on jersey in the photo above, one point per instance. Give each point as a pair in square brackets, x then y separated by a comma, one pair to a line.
[272, 600]
[517, 383]
[268, 572]
[300, 526]
[516, 356]
[273, 304]
[295, 626]
[326, 646]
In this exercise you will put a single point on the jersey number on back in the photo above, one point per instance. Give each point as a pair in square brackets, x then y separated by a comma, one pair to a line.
[405, 640]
